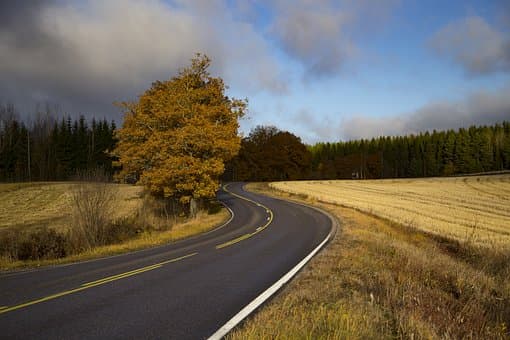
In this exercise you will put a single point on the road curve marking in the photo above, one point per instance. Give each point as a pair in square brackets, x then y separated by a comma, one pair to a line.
[258, 230]
[92, 284]
[134, 272]
[120, 276]
[259, 300]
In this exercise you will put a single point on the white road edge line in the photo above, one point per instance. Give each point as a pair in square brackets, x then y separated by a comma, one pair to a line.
[259, 300]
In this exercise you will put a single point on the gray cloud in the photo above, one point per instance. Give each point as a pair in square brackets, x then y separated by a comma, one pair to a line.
[320, 33]
[479, 108]
[85, 55]
[316, 38]
[475, 45]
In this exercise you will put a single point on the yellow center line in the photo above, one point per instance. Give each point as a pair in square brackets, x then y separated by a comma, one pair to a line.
[121, 276]
[134, 272]
[258, 230]
[231, 242]
[88, 285]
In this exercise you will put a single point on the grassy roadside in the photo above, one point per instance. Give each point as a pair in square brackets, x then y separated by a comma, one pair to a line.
[40, 223]
[377, 279]
[202, 223]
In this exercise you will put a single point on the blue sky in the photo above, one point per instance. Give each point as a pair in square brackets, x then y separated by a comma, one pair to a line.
[324, 70]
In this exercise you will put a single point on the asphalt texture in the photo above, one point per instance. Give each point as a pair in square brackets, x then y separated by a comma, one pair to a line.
[183, 290]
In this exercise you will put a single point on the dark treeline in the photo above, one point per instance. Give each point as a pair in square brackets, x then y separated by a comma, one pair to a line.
[465, 151]
[49, 148]
[268, 154]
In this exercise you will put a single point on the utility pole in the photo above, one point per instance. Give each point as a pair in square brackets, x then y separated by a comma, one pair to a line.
[28, 155]
[382, 164]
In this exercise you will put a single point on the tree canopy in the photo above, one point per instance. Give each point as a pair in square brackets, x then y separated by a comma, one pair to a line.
[49, 148]
[177, 137]
[437, 153]
[270, 154]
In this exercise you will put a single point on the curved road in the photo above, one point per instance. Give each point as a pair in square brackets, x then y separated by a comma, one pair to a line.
[187, 289]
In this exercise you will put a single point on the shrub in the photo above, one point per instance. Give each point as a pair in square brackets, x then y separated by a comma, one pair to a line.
[92, 208]
[121, 230]
[44, 243]
[214, 207]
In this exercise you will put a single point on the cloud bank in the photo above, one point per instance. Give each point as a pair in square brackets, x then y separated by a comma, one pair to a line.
[85, 55]
[479, 108]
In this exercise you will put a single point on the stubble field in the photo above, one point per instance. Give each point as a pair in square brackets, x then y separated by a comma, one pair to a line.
[31, 205]
[435, 267]
[468, 209]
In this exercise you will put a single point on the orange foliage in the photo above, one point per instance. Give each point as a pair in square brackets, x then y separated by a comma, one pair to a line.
[176, 138]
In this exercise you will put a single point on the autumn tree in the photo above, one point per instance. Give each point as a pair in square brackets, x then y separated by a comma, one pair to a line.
[177, 137]
[270, 154]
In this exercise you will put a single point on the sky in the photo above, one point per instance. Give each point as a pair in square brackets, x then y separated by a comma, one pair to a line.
[324, 70]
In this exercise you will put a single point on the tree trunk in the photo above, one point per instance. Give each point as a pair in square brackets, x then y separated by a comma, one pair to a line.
[193, 208]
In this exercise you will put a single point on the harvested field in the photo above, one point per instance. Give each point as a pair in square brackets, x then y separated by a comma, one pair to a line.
[468, 209]
[26, 205]
[379, 280]
[42, 223]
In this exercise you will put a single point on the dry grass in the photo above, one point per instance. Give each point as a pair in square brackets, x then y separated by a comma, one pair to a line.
[45, 217]
[378, 279]
[202, 223]
[25, 205]
[472, 209]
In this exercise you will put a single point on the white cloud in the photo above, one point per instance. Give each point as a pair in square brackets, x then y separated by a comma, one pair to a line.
[475, 45]
[479, 108]
[316, 128]
[316, 38]
[320, 33]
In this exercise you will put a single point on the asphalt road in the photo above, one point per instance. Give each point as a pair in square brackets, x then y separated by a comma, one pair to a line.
[184, 290]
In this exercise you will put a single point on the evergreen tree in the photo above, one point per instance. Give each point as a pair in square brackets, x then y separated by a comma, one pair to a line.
[475, 149]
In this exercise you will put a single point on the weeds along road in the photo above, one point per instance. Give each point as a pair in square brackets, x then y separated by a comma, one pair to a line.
[185, 290]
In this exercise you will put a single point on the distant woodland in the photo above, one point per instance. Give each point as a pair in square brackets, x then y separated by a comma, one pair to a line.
[51, 148]
[445, 153]
[48, 148]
